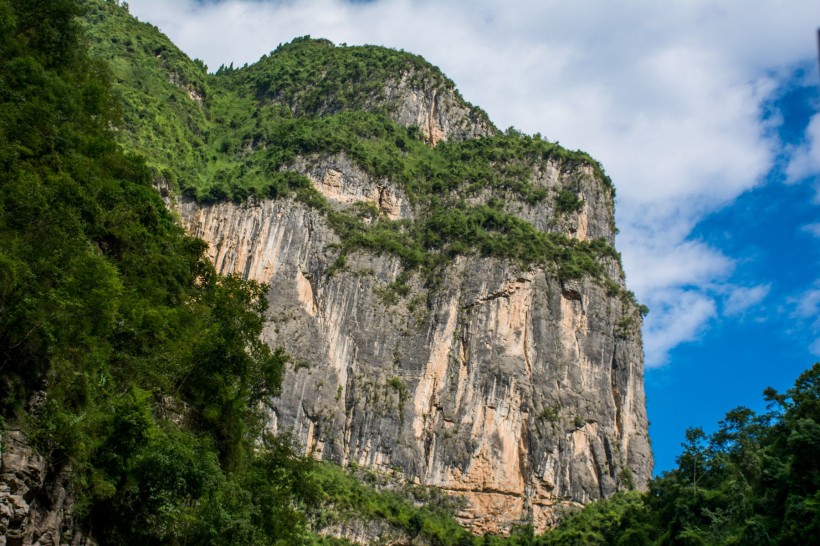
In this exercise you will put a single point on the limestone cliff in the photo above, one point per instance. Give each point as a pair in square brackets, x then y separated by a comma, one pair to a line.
[488, 374]
[501, 383]
[36, 507]
[455, 313]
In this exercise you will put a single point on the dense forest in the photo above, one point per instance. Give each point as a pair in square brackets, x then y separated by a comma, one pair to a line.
[126, 357]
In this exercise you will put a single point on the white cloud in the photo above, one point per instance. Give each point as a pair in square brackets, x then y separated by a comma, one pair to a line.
[814, 229]
[807, 308]
[805, 161]
[676, 316]
[666, 94]
[741, 298]
[671, 263]
[815, 347]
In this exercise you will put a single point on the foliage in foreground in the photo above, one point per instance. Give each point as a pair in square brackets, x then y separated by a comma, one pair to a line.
[755, 481]
[122, 353]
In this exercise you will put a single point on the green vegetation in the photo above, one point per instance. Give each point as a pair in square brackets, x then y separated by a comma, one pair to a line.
[113, 317]
[551, 413]
[566, 201]
[362, 495]
[154, 83]
[756, 480]
[235, 135]
[400, 387]
[314, 77]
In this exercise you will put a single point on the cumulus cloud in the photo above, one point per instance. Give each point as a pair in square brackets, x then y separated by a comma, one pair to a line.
[808, 304]
[671, 263]
[677, 316]
[667, 95]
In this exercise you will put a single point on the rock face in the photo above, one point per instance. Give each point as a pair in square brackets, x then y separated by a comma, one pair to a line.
[520, 392]
[35, 508]
[496, 382]
[413, 97]
[438, 112]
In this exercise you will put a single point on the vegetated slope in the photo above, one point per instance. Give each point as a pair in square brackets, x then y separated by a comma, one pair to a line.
[163, 95]
[129, 365]
[450, 293]
[237, 135]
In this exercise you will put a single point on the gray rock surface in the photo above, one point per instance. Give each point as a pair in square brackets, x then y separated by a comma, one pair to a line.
[422, 99]
[35, 506]
[438, 112]
[520, 392]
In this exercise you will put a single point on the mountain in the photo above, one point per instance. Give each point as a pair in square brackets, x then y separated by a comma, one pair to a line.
[368, 266]
[458, 332]
[449, 294]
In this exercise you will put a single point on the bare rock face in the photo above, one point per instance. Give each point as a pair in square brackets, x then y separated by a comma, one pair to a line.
[35, 507]
[371, 532]
[438, 112]
[520, 392]
[343, 183]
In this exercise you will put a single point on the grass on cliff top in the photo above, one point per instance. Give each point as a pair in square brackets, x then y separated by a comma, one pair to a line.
[315, 77]
[234, 134]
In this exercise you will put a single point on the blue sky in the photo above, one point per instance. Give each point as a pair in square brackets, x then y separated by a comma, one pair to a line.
[770, 232]
[704, 113]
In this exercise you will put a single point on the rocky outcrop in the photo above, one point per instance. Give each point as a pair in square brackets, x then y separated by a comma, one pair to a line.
[413, 98]
[368, 532]
[438, 112]
[36, 508]
[519, 392]
[343, 183]
[593, 220]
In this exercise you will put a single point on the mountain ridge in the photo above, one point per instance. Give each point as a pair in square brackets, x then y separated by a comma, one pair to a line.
[354, 180]
[455, 314]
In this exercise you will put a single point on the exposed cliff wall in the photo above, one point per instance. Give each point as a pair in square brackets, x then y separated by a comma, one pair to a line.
[518, 391]
[35, 506]
[437, 111]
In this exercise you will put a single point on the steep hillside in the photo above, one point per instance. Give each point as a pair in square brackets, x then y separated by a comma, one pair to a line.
[454, 308]
[130, 372]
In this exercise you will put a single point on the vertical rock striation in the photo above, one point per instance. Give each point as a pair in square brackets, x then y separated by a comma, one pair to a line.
[502, 384]
[437, 111]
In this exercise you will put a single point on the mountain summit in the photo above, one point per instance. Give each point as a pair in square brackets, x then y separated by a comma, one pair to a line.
[449, 293]
[329, 246]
